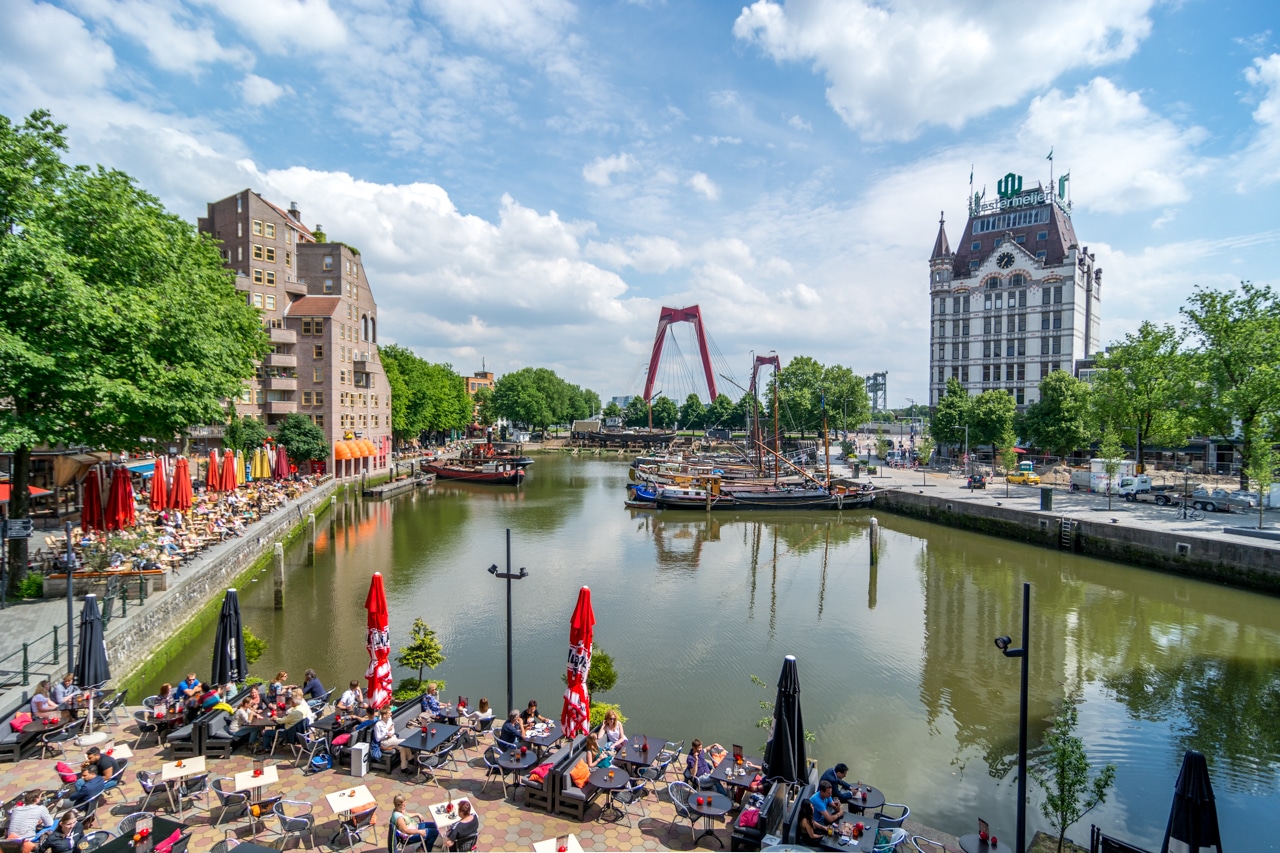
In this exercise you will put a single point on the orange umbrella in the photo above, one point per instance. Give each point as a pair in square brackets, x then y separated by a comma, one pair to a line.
[120, 509]
[228, 483]
[213, 476]
[180, 497]
[159, 487]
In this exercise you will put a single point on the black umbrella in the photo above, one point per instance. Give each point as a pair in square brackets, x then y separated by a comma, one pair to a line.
[228, 647]
[1193, 821]
[91, 670]
[784, 756]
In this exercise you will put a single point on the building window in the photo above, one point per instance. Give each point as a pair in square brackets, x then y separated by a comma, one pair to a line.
[306, 325]
[955, 328]
[1044, 320]
[1046, 296]
[1009, 346]
[1019, 396]
[328, 262]
[1021, 238]
[271, 302]
[319, 418]
[964, 327]
[1022, 372]
[258, 277]
[964, 304]
[1055, 344]
[259, 396]
[271, 230]
[942, 305]
[271, 253]
[955, 351]
[1057, 319]
[1008, 372]
[998, 241]
[246, 395]
[1055, 366]
[1042, 235]
[986, 325]
[973, 265]
[1022, 346]
[964, 373]
[306, 398]
[317, 351]
[1017, 280]
[1022, 299]
[239, 205]
[975, 246]
[288, 259]
[942, 375]
[1022, 322]
[986, 373]
[271, 278]
[342, 377]
[317, 374]
[257, 227]
[1041, 255]
[955, 371]
[999, 323]
[257, 252]
[257, 300]
[328, 285]
[964, 350]
[277, 323]
[1057, 294]
[1000, 300]
[986, 349]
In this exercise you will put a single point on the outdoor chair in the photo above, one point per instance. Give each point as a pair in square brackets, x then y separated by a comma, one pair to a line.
[58, 739]
[146, 726]
[194, 788]
[926, 845]
[295, 818]
[151, 784]
[150, 702]
[398, 842]
[680, 793]
[97, 838]
[888, 839]
[892, 815]
[429, 763]
[260, 811]
[652, 775]
[117, 780]
[492, 768]
[129, 821]
[227, 798]
[631, 795]
[313, 740]
[89, 810]
[671, 751]
[107, 714]
[467, 843]
[351, 830]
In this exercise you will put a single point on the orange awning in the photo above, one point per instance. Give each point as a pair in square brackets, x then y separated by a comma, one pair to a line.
[341, 450]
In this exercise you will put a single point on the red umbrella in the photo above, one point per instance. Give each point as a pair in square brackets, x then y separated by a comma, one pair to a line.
[281, 471]
[228, 472]
[180, 497]
[91, 513]
[575, 718]
[213, 476]
[378, 644]
[120, 509]
[159, 486]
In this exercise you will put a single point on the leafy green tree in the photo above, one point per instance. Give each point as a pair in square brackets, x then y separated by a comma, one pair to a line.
[301, 439]
[422, 652]
[1063, 772]
[1236, 364]
[692, 413]
[664, 412]
[847, 398]
[1144, 382]
[1008, 456]
[243, 433]
[924, 451]
[1261, 471]
[800, 393]
[484, 409]
[517, 397]
[991, 417]
[637, 412]
[425, 397]
[951, 415]
[612, 410]
[721, 413]
[1112, 453]
[254, 646]
[117, 320]
[1061, 420]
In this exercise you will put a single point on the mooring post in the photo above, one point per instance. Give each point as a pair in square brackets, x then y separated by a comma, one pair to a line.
[333, 512]
[311, 538]
[875, 540]
[279, 590]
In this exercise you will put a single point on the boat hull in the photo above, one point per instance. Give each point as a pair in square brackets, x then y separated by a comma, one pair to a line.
[500, 476]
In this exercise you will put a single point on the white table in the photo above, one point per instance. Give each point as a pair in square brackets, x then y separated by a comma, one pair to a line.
[246, 781]
[175, 771]
[349, 800]
[551, 845]
[442, 816]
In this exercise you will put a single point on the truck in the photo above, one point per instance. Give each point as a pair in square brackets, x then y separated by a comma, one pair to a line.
[1140, 484]
[1096, 478]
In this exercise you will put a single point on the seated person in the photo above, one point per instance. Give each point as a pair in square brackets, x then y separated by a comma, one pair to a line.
[481, 713]
[41, 705]
[351, 700]
[611, 732]
[296, 720]
[106, 765]
[189, 690]
[698, 767]
[66, 836]
[530, 717]
[809, 832]
[65, 693]
[210, 698]
[242, 726]
[311, 686]
[596, 757]
[409, 824]
[88, 786]
[384, 732]
[835, 776]
[278, 691]
[28, 819]
[827, 810]
[432, 707]
[512, 730]
[462, 835]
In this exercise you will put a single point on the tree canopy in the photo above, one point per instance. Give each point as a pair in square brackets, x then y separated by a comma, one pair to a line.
[1143, 384]
[536, 396]
[425, 397]
[118, 321]
[1061, 420]
[951, 415]
[301, 439]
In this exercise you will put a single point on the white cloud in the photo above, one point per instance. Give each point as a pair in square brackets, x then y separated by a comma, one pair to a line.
[1261, 161]
[725, 140]
[42, 45]
[259, 91]
[601, 170]
[524, 26]
[704, 185]
[168, 32]
[895, 67]
[799, 123]
[285, 26]
[1126, 157]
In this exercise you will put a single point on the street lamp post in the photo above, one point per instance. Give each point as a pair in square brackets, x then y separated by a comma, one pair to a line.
[1002, 643]
[509, 576]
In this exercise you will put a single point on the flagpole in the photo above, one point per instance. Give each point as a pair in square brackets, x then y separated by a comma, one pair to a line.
[1050, 169]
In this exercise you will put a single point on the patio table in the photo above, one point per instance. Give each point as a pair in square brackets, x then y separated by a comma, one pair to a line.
[713, 805]
[610, 779]
[436, 734]
[865, 844]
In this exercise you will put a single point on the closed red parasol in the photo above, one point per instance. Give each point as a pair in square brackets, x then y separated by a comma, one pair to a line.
[91, 513]
[180, 495]
[159, 486]
[281, 469]
[120, 509]
[213, 476]
[378, 644]
[228, 471]
[575, 718]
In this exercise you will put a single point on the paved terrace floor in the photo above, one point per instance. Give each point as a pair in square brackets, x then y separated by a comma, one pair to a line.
[505, 823]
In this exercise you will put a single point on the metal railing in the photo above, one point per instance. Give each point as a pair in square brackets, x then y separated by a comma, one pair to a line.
[28, 659]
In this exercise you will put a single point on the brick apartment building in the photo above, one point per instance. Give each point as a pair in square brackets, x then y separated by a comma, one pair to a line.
[319, 311]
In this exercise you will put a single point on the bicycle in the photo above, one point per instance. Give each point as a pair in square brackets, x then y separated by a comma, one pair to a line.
[1195, 514]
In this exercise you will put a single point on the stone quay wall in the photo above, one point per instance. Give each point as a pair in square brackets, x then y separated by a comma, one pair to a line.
[1200, 555]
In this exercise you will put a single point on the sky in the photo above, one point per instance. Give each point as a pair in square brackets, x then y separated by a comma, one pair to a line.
[530, 181]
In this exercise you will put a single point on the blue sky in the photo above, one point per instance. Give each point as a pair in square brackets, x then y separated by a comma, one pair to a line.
[529, 181]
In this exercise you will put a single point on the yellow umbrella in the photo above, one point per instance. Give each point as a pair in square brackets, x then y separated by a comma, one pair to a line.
[239, 467]
[258, 461]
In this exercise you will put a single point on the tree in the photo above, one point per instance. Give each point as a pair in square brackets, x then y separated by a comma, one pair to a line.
[1236, 364]
[1144, 382]
[924, 451]
[117, 320]
[243, 433]
[991, 417]
[1061, 420]
[665, 412]
[425, 397]
[846, 396]
[721, 413]
[612, 410]
[800, 393]
[1069, 793]
[423, 650]
[602, 677]
[951, 415]
[484, 408]
[692, 412]
[254, 646]
[301, 439]
[1008, 456]
[637, 412]
[1112, 453]
[1261, 471]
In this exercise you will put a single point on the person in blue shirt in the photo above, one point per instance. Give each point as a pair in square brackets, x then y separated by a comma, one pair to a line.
[189, 689]
[835, 776]
[827, 810]
[431, 704]
[311, 686]
[88, 786]
[512, 732]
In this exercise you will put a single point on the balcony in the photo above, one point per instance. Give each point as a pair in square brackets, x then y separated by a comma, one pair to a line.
[278, 359]
[283, 336]
[298, 287]
[281, 407]
[280, 383]
[360, 361]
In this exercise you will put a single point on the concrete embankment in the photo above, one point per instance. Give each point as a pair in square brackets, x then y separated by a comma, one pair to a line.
[1138, 534]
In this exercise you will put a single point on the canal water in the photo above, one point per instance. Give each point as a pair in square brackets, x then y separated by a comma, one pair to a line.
[900, 677]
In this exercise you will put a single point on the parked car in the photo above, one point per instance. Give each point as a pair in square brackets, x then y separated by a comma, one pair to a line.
[977, 481]
[1026, 478]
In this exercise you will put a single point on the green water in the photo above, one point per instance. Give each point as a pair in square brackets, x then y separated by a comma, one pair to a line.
[900, 677]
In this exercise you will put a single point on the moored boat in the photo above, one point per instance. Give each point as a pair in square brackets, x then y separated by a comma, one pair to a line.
[494, 473]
